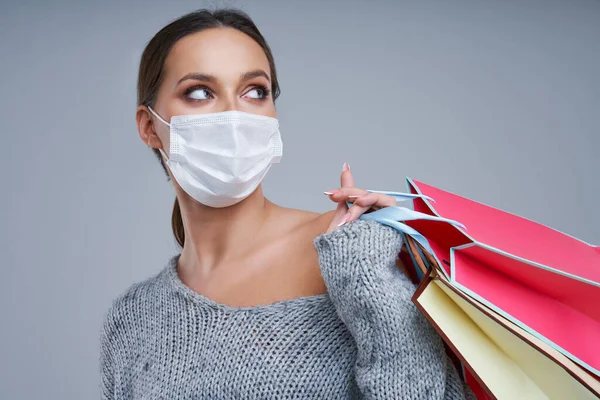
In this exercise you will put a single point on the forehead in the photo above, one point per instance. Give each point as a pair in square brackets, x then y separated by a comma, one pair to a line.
[223, 52]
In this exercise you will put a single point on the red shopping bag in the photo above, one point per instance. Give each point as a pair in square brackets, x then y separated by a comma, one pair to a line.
[544, 281]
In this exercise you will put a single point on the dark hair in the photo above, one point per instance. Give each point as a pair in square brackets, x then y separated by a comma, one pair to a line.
[151, 69]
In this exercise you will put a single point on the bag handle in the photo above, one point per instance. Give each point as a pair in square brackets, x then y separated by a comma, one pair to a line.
[391, 216]
[403, 196]
[418, 254]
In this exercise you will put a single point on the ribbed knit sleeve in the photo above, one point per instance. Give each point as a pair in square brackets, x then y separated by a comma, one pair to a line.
[400, 355]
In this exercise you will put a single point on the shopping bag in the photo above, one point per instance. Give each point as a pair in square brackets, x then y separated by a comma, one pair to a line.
[505, 360]
[538, 279]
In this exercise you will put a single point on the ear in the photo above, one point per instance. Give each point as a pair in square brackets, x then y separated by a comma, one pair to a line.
[145, 126]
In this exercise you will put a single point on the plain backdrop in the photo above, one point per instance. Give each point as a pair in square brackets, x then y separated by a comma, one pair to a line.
[498, 101]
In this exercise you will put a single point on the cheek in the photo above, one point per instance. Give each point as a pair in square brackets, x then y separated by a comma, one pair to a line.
[164, 137]
[271, 112]
[177, 106]
[267, 109]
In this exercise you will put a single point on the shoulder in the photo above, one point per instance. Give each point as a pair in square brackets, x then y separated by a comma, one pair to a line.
[299, 225]
[365, 231]
[309, 229]
[368, 235]
[131, 308]
[138, 294]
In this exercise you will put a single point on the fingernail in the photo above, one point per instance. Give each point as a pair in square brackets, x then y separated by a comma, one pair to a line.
[330, 192]
[344, 220]
[354, 197]
[346, 167]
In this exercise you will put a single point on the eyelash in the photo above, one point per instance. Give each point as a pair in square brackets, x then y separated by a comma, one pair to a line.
[265, 91]
[192, 89]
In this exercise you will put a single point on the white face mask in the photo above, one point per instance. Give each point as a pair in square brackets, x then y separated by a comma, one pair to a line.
[219, 159]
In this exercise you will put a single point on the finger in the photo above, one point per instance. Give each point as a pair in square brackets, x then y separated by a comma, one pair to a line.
[368, 202]
[354, 212]
[375, 199]
[343, 194]
[347, 180]
[341, 215]
[361, 197]
[341, 210]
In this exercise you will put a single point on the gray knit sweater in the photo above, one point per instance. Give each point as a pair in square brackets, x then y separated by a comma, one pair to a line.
[364, 339]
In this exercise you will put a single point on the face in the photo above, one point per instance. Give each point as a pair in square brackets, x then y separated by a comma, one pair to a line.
[211, 71]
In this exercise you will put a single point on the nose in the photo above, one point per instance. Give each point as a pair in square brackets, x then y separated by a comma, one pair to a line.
[230, 102]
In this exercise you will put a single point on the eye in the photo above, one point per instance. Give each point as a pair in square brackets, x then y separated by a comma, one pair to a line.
[198, 93]
[257, 93]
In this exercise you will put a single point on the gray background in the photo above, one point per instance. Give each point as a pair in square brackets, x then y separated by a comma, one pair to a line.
[496, 100]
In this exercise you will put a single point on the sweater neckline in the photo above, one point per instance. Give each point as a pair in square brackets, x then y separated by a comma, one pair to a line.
[177, 284]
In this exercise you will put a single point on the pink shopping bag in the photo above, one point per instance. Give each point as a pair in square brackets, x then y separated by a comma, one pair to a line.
[544, 281]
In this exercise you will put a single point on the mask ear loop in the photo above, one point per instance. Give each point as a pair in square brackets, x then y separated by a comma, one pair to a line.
[164, 155]
[158, 116]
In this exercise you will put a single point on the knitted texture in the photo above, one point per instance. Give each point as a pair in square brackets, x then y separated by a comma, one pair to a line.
[364, 339]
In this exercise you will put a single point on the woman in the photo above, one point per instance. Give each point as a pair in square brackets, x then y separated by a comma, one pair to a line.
[263, 301]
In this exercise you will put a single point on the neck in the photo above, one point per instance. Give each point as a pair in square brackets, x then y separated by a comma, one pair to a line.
[214, 236]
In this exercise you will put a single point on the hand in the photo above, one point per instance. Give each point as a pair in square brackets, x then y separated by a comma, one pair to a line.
[363, 200]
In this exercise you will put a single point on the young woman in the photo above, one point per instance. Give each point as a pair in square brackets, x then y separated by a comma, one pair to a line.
[263, 301]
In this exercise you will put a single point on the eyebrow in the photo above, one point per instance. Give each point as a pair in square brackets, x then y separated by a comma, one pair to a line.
[198, 77]
[246, 76]
[254, 74]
